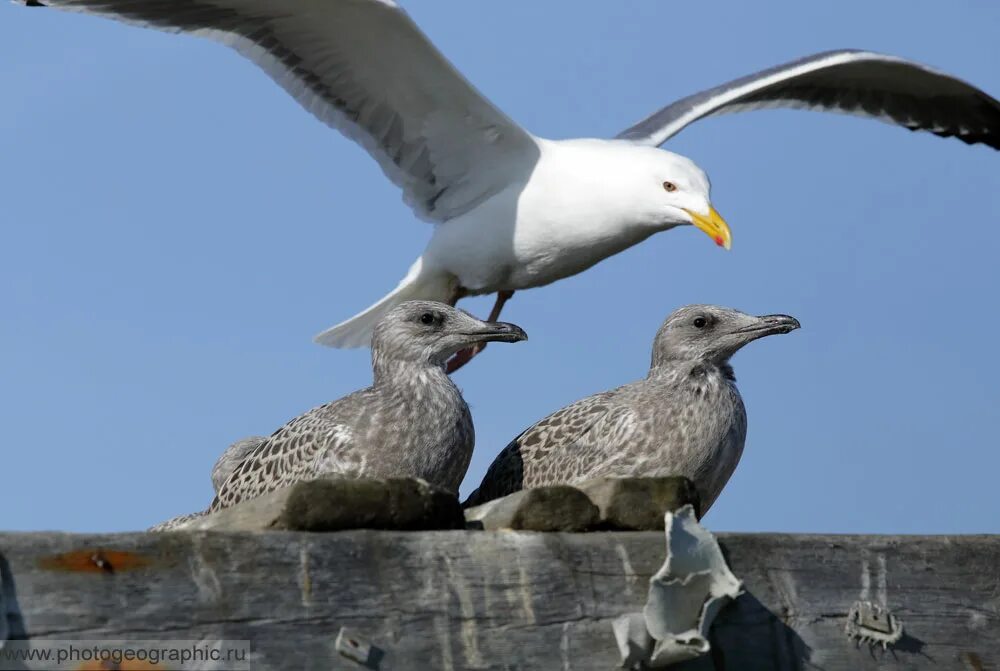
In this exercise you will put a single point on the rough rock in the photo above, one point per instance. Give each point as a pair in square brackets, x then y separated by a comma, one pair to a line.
[638, 503]
[552, 508]
[334, 504]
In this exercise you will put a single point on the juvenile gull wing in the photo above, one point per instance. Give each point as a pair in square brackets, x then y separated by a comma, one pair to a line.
[303, 448]
[231, 458]
[558, 448]
[364, 68]
[861, 83]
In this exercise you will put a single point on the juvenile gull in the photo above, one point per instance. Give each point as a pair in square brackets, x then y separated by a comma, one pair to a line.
[412, 421]
[685, 418]
[515, 211]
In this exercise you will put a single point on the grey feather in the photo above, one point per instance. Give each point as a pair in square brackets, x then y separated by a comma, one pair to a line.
[685, 418]
[861, 83]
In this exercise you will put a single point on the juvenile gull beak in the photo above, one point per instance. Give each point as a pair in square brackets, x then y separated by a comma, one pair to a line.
[714, 226]
[766, 325]
[497, 332]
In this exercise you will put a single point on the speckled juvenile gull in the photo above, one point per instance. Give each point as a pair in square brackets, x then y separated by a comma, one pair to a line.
[685, 418]
[412, 421]
[515, 211]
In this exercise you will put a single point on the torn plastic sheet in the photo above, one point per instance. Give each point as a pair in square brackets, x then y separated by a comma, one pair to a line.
[685, 595]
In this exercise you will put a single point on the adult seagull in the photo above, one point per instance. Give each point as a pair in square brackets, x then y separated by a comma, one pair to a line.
[511, 210]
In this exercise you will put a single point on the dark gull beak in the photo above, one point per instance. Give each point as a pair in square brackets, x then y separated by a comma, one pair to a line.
[497, 332]
[766, 325]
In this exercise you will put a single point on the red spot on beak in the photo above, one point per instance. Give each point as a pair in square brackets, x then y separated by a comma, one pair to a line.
[719, 241]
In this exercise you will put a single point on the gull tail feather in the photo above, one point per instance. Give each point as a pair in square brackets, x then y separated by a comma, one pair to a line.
[417, 285]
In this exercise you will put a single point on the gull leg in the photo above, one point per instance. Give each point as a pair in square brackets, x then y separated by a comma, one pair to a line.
[502, 298]
[465, 356]
[458, 294]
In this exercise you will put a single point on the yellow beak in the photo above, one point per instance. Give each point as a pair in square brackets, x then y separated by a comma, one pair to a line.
[714, 227]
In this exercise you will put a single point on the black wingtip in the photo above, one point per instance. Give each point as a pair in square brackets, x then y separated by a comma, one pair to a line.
[33, 3]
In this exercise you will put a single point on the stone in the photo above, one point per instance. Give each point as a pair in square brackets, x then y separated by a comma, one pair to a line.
[549, 508]
[404, 504]
[334, 504]
[638, 504]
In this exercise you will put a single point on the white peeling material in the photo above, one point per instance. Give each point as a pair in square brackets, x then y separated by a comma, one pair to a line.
[685, 595]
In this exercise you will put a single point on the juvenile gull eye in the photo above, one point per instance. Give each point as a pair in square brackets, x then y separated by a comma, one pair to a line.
[699, 322]
[669, 187]
[427, 318]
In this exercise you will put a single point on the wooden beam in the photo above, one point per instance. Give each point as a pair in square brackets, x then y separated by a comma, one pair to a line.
[444, 600]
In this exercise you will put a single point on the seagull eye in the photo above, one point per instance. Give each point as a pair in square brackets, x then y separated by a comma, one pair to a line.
[427, 318]
[700, 322]
[669, 187]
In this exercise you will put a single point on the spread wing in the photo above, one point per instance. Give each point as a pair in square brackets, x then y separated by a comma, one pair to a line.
[561, 448]
[302, 449]
[364, 68]
[861, 83]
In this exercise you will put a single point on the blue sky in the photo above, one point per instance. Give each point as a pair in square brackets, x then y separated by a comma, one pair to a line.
[175, 229]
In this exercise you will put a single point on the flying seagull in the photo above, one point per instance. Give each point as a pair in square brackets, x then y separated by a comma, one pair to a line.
[511, 210]
[412, 421]
[685, 418]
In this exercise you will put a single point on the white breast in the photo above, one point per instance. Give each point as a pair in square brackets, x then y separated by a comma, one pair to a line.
[570, 214]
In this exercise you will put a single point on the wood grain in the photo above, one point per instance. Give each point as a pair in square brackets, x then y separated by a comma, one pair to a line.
[500, 600]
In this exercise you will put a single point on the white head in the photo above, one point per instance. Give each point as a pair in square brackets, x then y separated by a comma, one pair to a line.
[640, 186]
[673, 191]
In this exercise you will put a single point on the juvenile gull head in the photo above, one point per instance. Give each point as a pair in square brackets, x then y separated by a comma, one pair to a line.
[426, 332]
[412, 421]
[685, 418]
[711, 333]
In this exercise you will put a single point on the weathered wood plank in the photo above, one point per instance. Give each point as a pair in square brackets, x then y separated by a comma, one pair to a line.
[500, 600]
